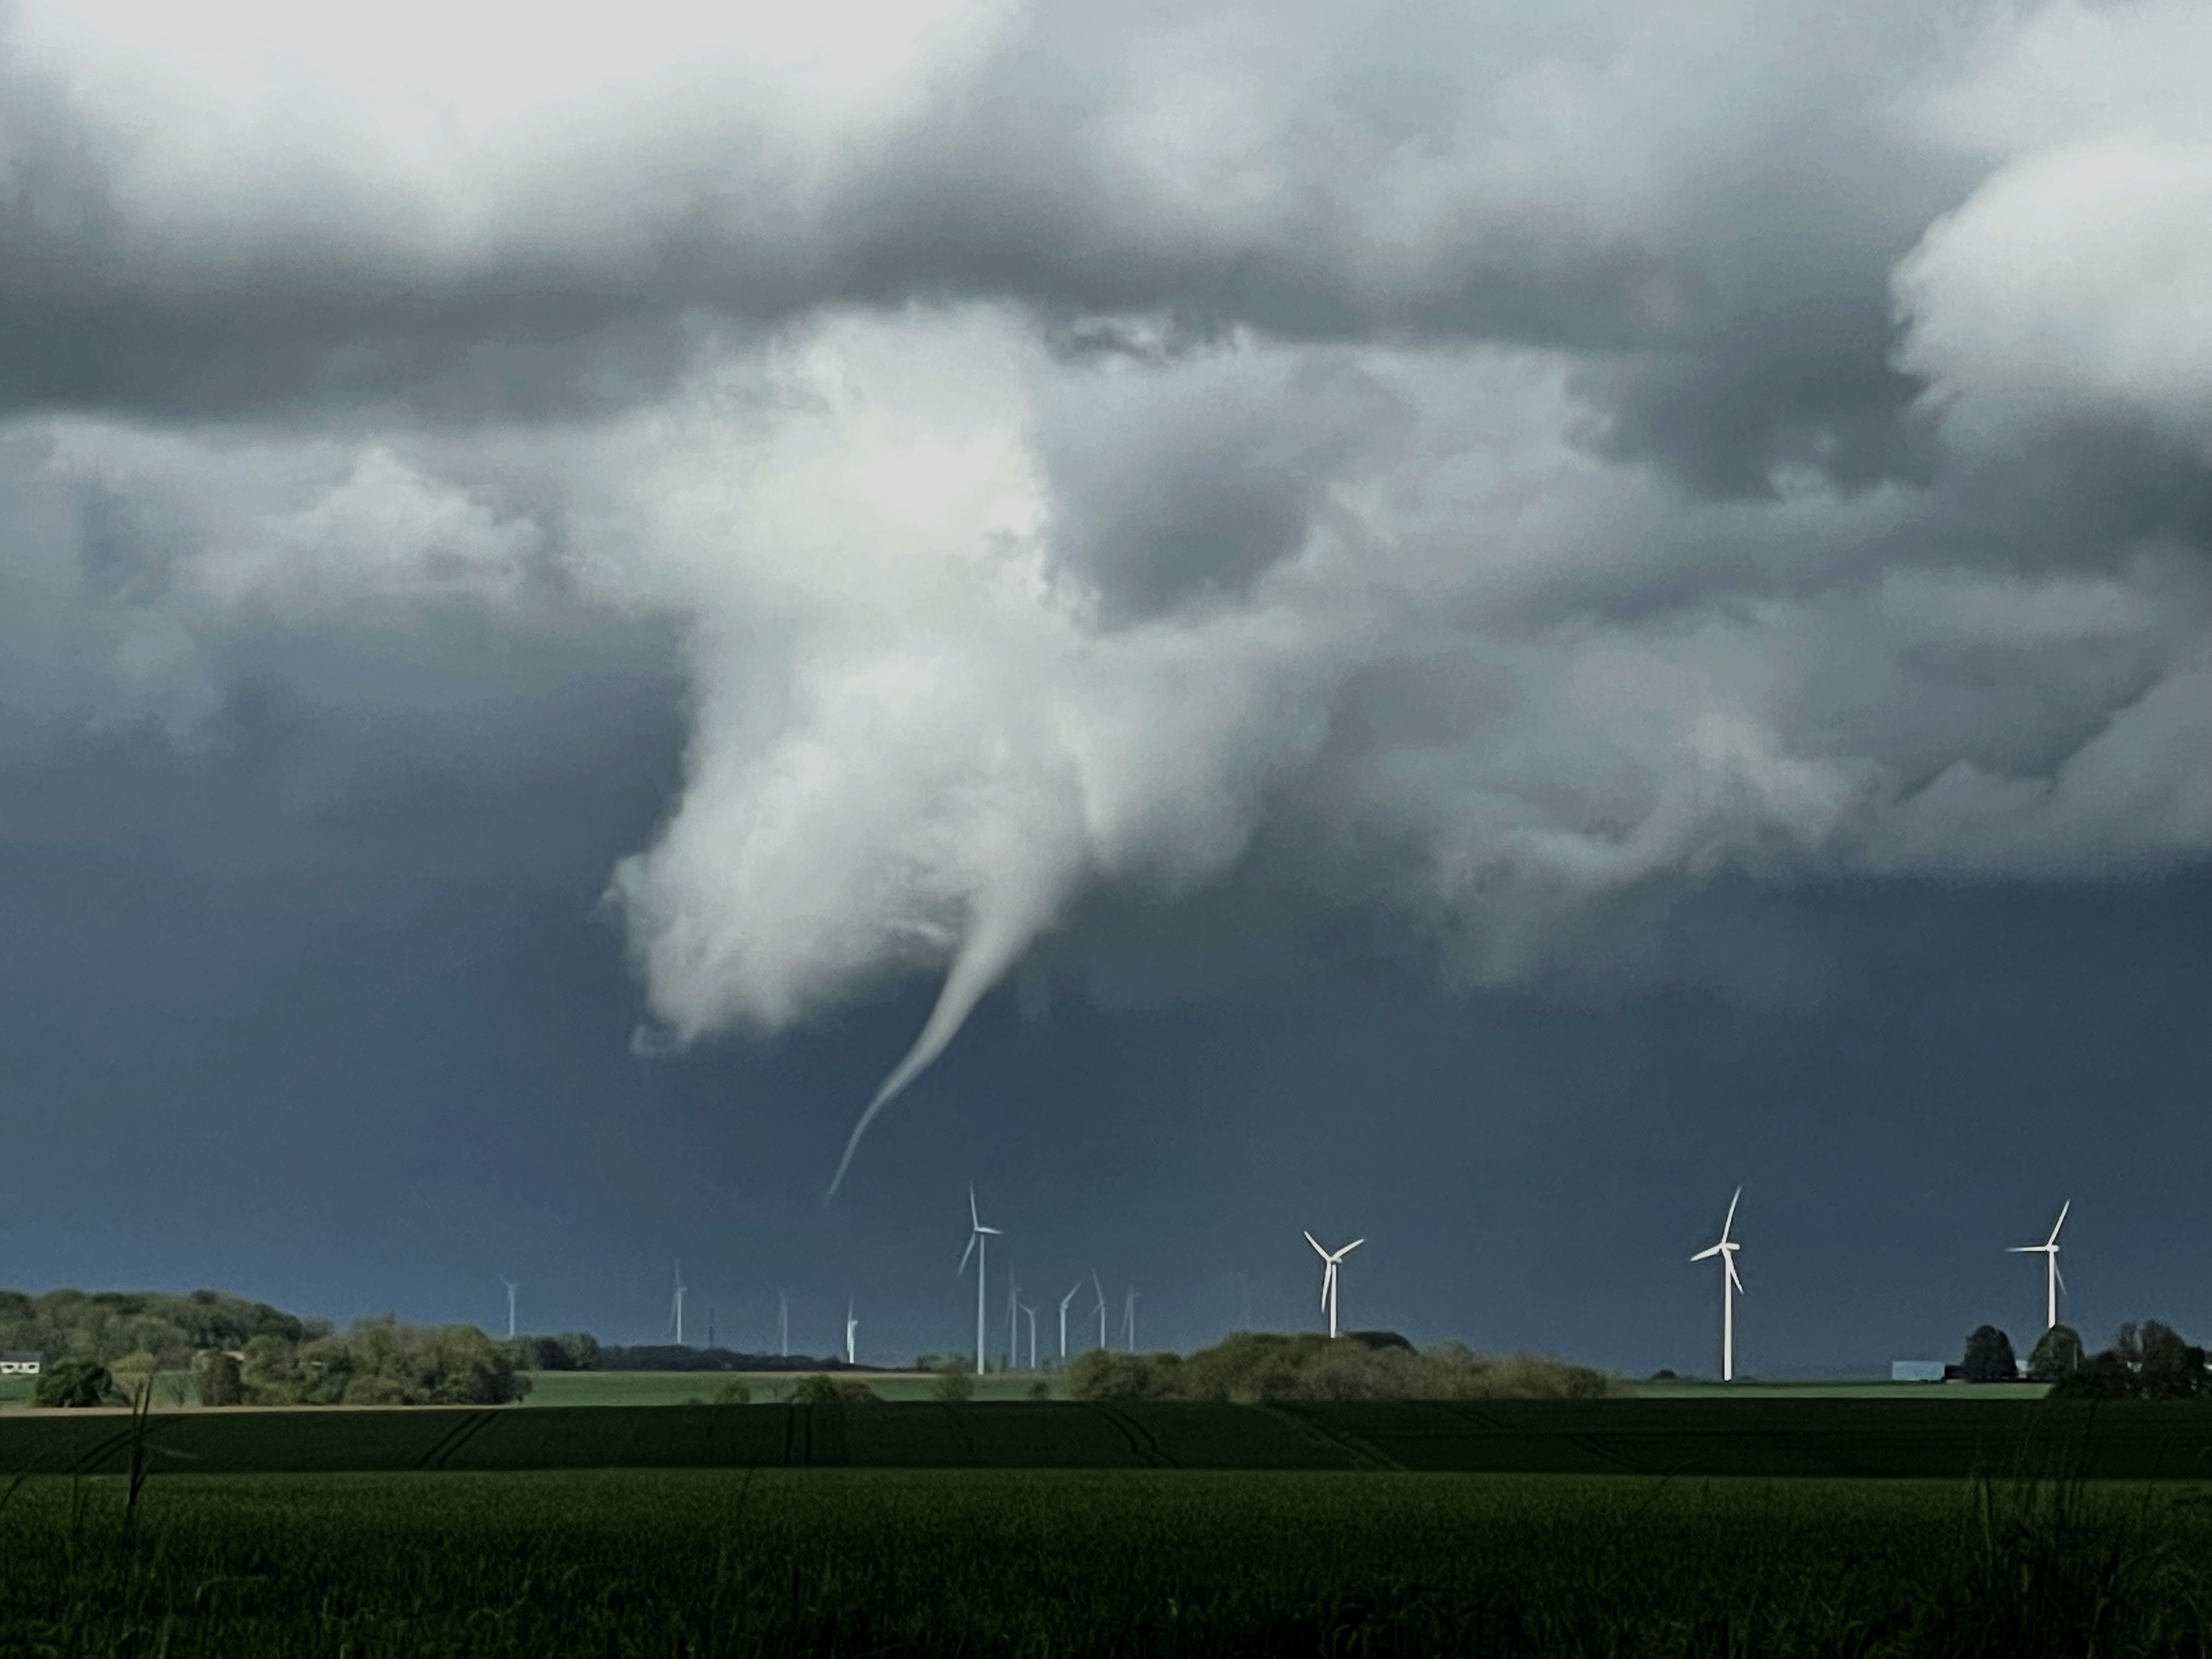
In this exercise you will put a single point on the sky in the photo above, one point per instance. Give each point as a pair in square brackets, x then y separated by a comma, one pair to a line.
[1444, 625]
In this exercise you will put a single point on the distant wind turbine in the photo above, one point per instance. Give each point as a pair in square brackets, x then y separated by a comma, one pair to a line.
[1064, 1301]
[1129, 1319]
[852, 1326]
[1731, 1287]
[1329, 1261]
[1101, 1289]
[2053, 1280]
[675, 1307]
[978, 1234]
[1013, 1324]
[783, 1321]
[1031, 1310]
[513, 1285]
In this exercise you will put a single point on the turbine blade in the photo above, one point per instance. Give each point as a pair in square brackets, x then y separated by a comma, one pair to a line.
[995, 1233]
[1730, 1222]
[1316, 1243]
[1711, 1249]
[1350, 1248]
[2024, 1249]
[2061, 1222]
[2057, 1275]
[974, 1220]
[965, 1254]
[1733, 1280]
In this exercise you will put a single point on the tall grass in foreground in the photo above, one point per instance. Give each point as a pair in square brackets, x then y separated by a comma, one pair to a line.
[1042, 1563]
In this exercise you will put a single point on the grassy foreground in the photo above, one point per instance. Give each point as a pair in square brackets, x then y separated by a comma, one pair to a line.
[1939, 1438]
[986, 1563]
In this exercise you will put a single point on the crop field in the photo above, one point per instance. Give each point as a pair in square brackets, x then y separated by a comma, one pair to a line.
[1133, 1562]
[1938, 1439]
[678, 1388]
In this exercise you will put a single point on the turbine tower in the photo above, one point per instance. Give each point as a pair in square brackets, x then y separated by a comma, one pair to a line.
[513, 1285]
[1731, 1287]
[675, 1307]
[1064, 1301]
[783, 1321]
[1101, 1289]
[1031, 1311]
[852, 1326]
[1328, 1264]
[978, 1234]
[2053, 1280]
[1129, 1319]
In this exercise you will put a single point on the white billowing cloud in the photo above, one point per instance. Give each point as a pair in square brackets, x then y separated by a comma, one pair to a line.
[1495, 679]
[2076, 284]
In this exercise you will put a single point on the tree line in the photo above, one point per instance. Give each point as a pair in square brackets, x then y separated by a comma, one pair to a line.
[2147, 1360]
[1254, 1366]
[106, 1347]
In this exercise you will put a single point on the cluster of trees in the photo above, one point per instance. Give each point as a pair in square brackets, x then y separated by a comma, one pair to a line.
[1255, 1365]
[2146, 1361]
[378, 1362]
[113, 1328]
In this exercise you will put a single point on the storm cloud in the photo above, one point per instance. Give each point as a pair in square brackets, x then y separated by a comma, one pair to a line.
[1488, 477]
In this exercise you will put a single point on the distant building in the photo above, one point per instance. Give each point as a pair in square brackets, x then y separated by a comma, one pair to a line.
[22, 1362]
[1915, 1371]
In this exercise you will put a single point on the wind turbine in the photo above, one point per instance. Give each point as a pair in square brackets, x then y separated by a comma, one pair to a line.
[1013, 1324]
[2053, 1280]
[1129, 1319]
[852, 1326]
[1101, 1289]
[783, 1321]
[1064, 1301]
[675, 1307]
[1329, 1265]
[1731, 1287]
[513, 1285]
[977, 1234]
[1029, 1310]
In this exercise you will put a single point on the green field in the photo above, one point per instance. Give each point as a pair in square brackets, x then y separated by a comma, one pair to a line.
[988, 1563]
[1894, 1438]
[676, 1387]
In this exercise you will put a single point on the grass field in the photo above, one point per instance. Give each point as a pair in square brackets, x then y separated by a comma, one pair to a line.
[1935, 1438]
[676, 1388]
[988, 1563]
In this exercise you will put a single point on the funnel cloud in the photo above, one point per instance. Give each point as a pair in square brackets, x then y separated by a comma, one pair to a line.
[1471, 484]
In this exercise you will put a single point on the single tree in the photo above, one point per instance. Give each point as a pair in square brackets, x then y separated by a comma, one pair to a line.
[221, 1381]
[73, 1383]
[2057, 1353]
[1990, 1356]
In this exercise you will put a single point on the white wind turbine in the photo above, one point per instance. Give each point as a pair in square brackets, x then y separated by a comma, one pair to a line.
[1731, 1287]
[1064, 1301]
[851, 1329]
[1329, 1261]
[1031, 1311]
[1129, 1319]
[2053, 1280]
[977, 1234]
[783, 1321]
[1013, 1324]
[675, 1307]
[513, 1285]
[1101, 1289]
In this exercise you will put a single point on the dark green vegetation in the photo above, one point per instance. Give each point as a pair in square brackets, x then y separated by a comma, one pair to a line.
[1262, 1366]
[142, 1330]
[980, 1562]
[2149, 1361]
[1941, 1437]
